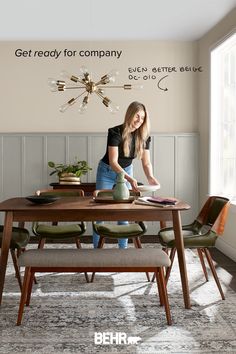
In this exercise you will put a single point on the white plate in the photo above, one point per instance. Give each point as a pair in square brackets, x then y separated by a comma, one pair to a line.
[149, 188]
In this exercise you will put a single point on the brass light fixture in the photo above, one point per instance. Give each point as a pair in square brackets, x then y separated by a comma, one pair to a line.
[88, 87]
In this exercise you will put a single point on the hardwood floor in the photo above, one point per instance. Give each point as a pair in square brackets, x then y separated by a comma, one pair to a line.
[226, 263]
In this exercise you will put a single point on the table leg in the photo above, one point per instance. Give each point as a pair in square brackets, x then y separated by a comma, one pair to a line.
[181, 256]
[5, 249]
[162, 224]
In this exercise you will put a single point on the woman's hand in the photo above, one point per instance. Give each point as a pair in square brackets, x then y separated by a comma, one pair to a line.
[133, 182]
[134, 185]
[153, 181]
[147, 167]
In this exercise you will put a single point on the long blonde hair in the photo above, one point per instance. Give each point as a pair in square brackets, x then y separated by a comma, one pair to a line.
[141, 133]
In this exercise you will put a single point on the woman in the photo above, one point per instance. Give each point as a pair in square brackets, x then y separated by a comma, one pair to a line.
[124, 143]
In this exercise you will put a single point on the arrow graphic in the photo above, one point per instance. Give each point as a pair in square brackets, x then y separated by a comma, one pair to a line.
[158, 84]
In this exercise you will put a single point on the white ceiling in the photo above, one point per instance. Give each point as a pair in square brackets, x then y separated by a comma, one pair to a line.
[110, 19]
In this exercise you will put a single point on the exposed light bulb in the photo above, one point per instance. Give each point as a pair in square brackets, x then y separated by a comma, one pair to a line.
[54, 88]
[100, 91]
[84, 70]
[56, 85]
[83, 106]
[137, 87]
[112, 75]
[113, 107]
[66, 105]
[109, 78]
[66, 75]
[53, 82]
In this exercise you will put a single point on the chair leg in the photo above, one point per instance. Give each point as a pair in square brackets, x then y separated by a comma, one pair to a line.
[166, 250]
[100, 245]
[41, 243]
[157, 278]
[40, 246]
[30, 286]
[19, 251]
[101, 241]
[17, 271]
[137, 244]
[78, 245]
[200, 254]
[164, 295]
[168, 269]
[211, 265]
[23, 295]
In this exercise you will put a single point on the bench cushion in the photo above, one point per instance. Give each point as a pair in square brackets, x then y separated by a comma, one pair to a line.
[131, 257]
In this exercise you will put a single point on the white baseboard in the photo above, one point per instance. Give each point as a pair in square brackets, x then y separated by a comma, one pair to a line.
[225, 248]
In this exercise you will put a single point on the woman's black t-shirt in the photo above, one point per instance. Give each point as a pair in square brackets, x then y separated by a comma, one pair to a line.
[114, 138]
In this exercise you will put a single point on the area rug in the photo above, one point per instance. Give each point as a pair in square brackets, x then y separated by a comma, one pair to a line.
[119, 313]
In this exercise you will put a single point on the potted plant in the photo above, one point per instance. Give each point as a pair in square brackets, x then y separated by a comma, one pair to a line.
[69, 173]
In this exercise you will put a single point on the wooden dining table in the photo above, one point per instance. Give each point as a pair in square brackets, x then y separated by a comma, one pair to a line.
[72, 209]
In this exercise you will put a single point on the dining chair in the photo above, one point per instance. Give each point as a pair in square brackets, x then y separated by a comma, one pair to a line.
[58, 232]
[113, 231]
[201, 234]
[20, 239]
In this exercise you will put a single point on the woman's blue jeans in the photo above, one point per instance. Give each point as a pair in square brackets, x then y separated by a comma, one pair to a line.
[106, 178]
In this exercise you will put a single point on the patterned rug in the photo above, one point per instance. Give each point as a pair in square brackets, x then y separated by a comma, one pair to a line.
[119, 313]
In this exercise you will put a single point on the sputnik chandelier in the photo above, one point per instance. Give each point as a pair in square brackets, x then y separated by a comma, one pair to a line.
[88, 87]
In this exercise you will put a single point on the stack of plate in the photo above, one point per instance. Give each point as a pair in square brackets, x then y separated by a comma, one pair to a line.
[40, 199]
[148, 188]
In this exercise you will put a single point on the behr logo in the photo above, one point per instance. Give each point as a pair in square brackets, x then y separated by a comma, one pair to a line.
[114, 338]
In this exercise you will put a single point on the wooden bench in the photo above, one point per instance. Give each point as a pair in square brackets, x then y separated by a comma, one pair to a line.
[94, 260]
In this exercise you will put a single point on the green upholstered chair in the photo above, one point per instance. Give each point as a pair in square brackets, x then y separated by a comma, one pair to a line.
[201, 234]
[57, 232]
[113, 231]
[19, 240]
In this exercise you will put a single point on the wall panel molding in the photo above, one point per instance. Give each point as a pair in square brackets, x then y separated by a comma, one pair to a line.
[24, 157]
[226, 248]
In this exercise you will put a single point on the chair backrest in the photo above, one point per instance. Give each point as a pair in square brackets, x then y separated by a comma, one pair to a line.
[109, 192]
[64, 192]
[214, 213]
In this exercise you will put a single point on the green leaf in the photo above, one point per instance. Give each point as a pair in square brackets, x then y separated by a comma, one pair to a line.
[51, 164]
[78, 167]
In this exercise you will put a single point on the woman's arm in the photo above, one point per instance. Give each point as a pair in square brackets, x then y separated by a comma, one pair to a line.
[147, 168]
[113, 162]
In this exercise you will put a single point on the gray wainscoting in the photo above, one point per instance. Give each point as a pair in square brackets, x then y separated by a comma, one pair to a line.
[24, 158]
